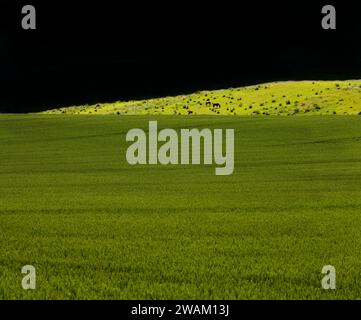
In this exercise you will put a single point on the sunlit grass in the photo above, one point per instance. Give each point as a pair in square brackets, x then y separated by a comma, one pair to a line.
[281, 98]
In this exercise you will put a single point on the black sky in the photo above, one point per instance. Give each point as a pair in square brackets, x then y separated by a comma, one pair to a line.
[87, 52]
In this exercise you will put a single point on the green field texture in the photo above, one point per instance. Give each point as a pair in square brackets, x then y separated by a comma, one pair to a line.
[97, 228]
[277, 98]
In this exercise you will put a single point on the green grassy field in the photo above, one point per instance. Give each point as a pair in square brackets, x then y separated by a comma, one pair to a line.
[278, 98]
[96, 228]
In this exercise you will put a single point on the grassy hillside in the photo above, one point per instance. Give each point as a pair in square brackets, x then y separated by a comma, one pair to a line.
[282, 98]
[95, 227]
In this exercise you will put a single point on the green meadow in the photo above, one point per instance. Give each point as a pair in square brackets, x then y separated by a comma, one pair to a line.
[97, 228]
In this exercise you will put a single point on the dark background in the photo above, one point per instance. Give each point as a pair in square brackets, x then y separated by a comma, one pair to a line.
[88, 52]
